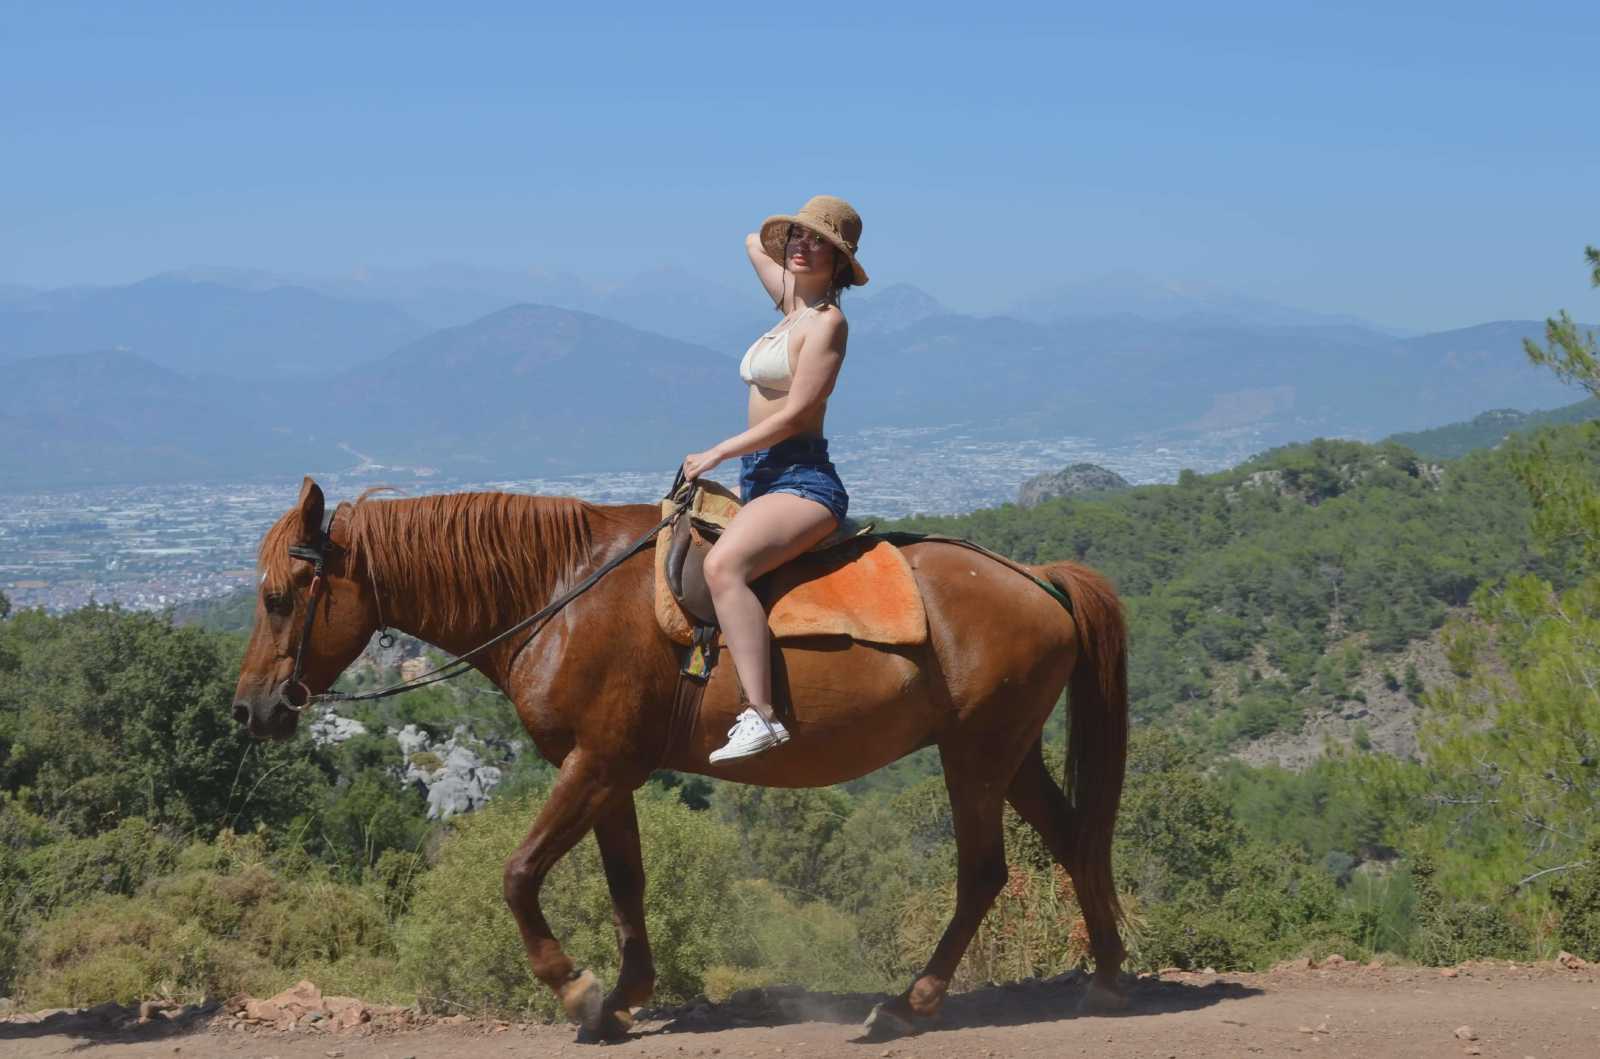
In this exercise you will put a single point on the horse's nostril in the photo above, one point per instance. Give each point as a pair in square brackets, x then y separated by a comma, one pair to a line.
[241, 713]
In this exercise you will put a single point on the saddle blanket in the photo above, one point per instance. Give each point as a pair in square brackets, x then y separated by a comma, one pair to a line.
[861, 587]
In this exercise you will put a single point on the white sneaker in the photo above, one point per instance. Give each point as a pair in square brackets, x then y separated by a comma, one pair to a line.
[750, 734]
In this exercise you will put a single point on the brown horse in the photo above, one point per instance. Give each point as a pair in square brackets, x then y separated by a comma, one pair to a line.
[594, 684]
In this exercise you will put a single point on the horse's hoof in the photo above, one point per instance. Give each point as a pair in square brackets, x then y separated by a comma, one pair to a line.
[884, 1023]
[611, 1026]
[1102, 1000]
[585, 1002]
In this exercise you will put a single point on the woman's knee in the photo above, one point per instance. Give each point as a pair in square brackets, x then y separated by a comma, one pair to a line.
[724, 571]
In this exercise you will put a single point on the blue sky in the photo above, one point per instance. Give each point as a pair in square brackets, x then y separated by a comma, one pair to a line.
[1424, 165]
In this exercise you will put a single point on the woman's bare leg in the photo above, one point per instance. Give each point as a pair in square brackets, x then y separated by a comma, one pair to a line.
[768, 532]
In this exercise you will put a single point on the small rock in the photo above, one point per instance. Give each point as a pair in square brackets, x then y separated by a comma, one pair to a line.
[1302, 964]
[1307, 1029]
[1208, 970]
[1474, 1050]
[1375, 965]
[1466, 1033]
[1571, 962]
[1335, 960]
[1448, 972]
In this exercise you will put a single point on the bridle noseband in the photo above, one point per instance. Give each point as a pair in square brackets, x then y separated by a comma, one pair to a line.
[315, 553]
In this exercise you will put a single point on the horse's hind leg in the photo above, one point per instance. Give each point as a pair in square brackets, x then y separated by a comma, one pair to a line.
[617, 832]
[1037, 798]
[577, 799]
[975, 803]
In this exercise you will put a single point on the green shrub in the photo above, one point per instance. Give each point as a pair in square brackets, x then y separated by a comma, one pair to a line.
[1194, 933]
[777, 940]
[1174, 829]
[118, 861]
[1450, 930]
[1259, 712]
[1271, 903]
[370, 817]
[460, 948]
[785, 832]
[123, 949]
[1033, 929]
[227, 920]
[1578, 899]
[427, 761]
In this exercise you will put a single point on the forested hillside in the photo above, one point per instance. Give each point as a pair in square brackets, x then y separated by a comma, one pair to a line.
[1264, 593]
[1488, 429]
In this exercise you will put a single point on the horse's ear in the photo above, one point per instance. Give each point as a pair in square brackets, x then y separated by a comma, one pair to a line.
[311, 504]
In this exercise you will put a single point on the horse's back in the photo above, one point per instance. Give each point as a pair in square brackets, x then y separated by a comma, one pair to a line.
[998, 654]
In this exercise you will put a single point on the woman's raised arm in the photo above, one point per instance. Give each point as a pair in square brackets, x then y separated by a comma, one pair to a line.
[767, 270]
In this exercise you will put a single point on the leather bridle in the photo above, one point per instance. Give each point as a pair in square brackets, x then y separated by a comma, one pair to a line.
[315, 553]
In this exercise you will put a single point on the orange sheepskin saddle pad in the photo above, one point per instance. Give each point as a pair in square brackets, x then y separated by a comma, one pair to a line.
[852, 584]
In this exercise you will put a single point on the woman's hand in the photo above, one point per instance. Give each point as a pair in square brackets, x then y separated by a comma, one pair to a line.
[697, 463]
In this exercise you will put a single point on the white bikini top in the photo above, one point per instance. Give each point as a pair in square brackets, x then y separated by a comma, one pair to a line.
[766, 362]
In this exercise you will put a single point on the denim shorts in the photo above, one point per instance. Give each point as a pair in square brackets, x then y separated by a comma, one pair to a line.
[799, 466]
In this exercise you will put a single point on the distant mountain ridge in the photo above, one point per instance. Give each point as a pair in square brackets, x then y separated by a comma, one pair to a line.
[204, 327]
[1126, 293]
[113, 416]
[539, 388]
[543, 390]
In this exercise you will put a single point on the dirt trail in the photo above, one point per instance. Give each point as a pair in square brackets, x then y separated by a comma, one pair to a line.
[1370, 1013]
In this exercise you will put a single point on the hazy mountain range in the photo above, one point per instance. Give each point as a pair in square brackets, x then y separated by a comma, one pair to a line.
[218, 373]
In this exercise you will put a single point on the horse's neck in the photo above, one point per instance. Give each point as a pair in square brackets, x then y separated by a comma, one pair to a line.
[453, 640]
[456, 602]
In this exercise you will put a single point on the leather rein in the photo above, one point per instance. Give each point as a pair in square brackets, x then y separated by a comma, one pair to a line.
[316, 553]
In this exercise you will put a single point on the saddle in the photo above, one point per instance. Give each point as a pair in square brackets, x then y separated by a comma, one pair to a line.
[850, 584]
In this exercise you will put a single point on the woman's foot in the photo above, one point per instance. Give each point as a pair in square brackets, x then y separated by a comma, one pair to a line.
[751, 734]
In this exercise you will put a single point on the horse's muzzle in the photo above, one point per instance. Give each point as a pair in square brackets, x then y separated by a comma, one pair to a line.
[272, 718]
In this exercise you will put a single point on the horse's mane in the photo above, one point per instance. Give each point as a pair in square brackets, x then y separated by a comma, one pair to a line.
[457, 559]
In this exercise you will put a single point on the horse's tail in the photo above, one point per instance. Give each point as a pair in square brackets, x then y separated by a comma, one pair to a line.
[1097, 728]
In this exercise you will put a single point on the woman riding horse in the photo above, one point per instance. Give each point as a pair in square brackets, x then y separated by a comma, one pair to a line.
[595, 689]
[792, 495]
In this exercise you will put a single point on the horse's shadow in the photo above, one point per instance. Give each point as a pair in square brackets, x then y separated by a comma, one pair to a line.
[109, 1023]
[1011, 1004]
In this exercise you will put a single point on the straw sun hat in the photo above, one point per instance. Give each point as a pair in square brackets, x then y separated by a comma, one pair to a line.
[832, 218]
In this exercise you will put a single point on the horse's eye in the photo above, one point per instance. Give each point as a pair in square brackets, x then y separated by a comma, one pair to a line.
[278, 602]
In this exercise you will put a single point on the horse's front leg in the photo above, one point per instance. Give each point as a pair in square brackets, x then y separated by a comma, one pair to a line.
[582, 790]
[617, 832]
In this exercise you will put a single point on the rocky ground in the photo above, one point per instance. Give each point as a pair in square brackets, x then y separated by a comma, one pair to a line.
[1335, 1009]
